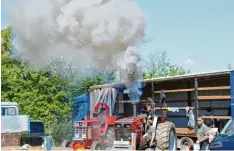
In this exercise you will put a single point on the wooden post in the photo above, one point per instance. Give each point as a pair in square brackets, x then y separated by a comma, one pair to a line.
[196, 100]
[152, 88]
[189, 95]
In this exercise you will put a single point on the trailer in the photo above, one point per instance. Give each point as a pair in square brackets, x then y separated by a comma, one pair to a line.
[225, 141]
[206, 94]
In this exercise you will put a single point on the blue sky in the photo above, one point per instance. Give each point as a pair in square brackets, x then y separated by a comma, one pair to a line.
[198, 35]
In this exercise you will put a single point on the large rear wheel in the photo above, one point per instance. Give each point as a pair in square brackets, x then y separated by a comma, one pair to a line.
[65, 143]
[166, 137]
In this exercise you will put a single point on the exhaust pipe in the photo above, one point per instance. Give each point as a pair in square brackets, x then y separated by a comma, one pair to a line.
[134, 110]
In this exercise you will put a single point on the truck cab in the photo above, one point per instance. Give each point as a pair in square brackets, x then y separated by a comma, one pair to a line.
[225, 141]
[9, 108]
[80, 109]
[11, 120]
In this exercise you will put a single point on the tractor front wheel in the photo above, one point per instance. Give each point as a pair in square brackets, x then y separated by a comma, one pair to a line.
[97, 146]
[65, 143]
[186, 142]
[166, 137]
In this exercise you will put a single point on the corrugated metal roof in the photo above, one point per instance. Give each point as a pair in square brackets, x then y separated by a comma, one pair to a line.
[169, 78]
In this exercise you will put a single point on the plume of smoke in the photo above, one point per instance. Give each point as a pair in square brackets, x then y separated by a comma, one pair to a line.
[131, 68]
[89, 32]
[85, 32]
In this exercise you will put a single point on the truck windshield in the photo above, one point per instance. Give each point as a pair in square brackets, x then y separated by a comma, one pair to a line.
[228, 128]
[8, 111]
[37, 127]
[78, 109]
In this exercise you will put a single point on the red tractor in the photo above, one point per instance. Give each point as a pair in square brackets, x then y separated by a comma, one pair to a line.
[96, 133]
[129, 133]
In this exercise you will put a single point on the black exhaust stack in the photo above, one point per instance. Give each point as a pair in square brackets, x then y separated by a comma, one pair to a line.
[134, 110]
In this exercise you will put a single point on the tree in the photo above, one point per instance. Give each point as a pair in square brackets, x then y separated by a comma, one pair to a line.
[81, 85]
[158, 65]
[39, 93]
[66, 70]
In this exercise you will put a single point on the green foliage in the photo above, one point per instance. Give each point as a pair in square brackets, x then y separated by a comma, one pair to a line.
[61, 131]
[42, 95]
[6, 40]
[158, 65]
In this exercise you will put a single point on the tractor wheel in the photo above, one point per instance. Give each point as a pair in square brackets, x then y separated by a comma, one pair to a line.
[110, 136]
[97, 146]
[145, 142]
[166, 137]
[149, 149]
[65, 143]
[186, 141]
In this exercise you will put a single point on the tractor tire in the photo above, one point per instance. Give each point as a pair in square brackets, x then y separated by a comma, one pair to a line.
[166, 139]
[186, 141]
[149, 149]
[97, 146]
[110, 136]
[65, 143]
[144, 144]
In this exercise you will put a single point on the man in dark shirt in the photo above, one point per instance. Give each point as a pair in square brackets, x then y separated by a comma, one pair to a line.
[202, 134]
[149, 117]
[148, 130]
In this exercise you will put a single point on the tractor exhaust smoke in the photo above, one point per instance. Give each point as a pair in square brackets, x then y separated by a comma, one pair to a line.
[134, 110]
[131, 70]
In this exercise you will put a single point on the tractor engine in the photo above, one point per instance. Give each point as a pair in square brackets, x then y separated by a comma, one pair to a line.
[96, 132]
[85, 132]
[80, 130]
[125, 128]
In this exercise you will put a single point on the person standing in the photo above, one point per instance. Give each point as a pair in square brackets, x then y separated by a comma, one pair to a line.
[149, 117]
[202, 134]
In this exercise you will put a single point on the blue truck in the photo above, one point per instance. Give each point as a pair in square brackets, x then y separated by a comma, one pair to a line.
[80, 109]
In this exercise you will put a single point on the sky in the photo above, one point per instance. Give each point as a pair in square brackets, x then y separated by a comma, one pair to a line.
[197, 35]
